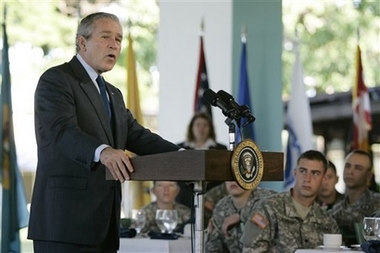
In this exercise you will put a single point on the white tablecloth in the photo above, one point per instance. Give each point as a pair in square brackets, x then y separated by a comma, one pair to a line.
[327, 251]
[139, 244]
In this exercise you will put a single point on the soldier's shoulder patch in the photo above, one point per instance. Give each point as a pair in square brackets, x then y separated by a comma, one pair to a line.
[260, 220]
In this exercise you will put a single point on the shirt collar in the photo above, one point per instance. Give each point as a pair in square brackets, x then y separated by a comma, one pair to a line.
[90, 71]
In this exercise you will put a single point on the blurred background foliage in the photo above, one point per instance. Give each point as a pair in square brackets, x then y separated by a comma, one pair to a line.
[328, 36]
[327, 33]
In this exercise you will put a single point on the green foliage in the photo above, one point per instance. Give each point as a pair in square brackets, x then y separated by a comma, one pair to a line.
[327, 32]
[42, 25]
[328, 38]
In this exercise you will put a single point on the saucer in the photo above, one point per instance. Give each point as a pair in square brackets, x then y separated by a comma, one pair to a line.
[334, 247]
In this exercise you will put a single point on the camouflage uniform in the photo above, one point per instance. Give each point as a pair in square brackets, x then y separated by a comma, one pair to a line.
[325, 206]
[184, 215]
[347, 214]
[216, 193]
[275, 226]
[211, 198]
[217, 241]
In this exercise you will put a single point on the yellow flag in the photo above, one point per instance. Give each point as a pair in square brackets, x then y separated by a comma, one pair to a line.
[133, 96]
[138, 190]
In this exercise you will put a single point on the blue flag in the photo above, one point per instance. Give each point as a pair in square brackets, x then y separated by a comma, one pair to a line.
[244, 97]
[200, 104]
[14, 205]
[298, 122]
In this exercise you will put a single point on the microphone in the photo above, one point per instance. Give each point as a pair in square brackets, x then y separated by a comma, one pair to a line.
[242, 110]
[211, 97]
[229, 107]
[229, 100]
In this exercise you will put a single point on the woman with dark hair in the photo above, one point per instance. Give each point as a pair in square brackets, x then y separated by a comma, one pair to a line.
[201, 133]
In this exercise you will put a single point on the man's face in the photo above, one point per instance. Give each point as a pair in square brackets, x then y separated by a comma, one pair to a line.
[328, 183]
[102, 48]
[165, 191]
[309, 175]
[357, 171]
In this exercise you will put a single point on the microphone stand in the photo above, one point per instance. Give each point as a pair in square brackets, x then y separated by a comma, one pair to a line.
[199, 188]
[231, 132]
[199, 216]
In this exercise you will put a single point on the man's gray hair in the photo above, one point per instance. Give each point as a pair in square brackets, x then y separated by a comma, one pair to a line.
[86, 26]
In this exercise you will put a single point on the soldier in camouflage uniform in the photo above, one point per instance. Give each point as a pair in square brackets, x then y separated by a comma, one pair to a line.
[211, 198]
[229, 215]
[292, 220]
[165, 192]
[328, 196]
[359, 202]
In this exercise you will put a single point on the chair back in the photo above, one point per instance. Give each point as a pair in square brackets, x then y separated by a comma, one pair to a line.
[358, 226]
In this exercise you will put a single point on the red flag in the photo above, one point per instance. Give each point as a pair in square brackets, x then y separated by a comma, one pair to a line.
[200, 104]
[361, 108]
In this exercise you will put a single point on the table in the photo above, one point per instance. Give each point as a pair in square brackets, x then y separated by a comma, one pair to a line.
[328, 250]
[145, 244]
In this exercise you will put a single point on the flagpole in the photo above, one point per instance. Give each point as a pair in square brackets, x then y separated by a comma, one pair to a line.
[202, 28]
[243, 33]
[1, 177]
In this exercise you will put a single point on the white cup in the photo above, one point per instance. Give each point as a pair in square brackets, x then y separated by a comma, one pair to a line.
[332, 240]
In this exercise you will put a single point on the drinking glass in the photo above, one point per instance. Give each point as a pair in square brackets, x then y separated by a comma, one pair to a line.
[377, 229]
[369, 228]
[160, 220]
[171, 220]
[138, 219]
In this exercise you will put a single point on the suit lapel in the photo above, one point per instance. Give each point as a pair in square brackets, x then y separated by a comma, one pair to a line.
[93, 96]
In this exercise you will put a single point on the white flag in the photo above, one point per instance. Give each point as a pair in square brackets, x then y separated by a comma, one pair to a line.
[298, 121]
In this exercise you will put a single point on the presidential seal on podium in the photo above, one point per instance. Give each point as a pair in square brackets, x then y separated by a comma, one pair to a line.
[247, 164]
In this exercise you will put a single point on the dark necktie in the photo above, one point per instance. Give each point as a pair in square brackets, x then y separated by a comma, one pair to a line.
[103, 94]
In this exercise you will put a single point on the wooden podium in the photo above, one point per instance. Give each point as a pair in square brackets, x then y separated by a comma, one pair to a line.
[198, 166]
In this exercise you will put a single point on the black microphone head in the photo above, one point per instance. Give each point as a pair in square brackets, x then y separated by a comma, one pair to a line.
[210, 96]
[226, 97]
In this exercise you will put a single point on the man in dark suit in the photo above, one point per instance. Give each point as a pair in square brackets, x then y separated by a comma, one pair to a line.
[79, 137]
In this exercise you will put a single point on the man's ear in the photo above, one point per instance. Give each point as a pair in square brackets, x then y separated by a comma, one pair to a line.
[82, 43]
[369, 177]
[152, 191]
[177, 191]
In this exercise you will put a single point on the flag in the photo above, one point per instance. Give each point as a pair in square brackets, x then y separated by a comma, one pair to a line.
[200, 104]
[244, 97]
[361, 108]
[136, 189]
[298, 121]
[14, 212]
[133, 96]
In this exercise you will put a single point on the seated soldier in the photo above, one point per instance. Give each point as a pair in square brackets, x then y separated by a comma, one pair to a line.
[328, 196]
[287, 221]
[165, 192]
[359, 201]
[229, 215]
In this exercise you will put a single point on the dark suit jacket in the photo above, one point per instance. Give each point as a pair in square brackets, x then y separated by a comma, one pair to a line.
[72, 202]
